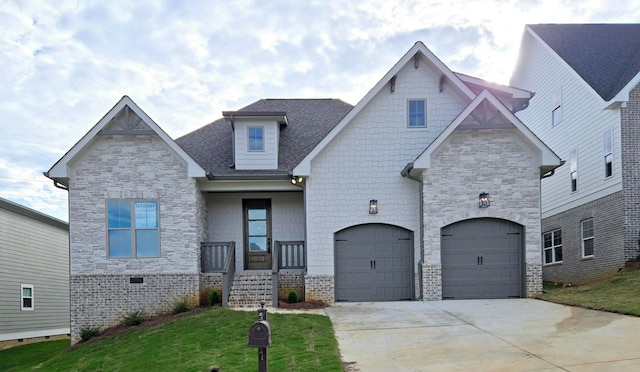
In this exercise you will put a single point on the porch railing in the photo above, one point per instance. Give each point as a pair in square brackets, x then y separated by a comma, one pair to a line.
[219, 257]
[290, 255]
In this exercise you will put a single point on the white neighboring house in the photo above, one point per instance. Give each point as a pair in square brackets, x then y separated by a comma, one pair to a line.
[34, 275]
[428, 188]
[587, 109]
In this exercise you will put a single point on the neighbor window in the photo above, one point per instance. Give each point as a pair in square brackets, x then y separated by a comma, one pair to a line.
[133, 228]
[587, 238]
[417, 113]
[556, 107]
[608, 153]
[552, 246]
[573, 169]
[26, 297]
[256, 138]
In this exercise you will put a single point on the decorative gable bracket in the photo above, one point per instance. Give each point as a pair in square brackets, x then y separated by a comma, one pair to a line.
[126, 122]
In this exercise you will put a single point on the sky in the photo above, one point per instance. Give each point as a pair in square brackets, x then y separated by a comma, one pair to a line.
[64, 64]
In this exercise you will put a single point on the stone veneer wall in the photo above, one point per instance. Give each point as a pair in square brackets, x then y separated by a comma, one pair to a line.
[608, 239]
[630, 135]
[469, 162]
[320, 287]
[132, 167]
[102, 300]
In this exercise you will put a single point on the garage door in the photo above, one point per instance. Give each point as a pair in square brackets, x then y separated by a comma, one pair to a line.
[482, 258]
[373, 263]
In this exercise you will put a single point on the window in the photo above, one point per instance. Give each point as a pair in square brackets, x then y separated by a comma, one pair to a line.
[26, 297]
[587, 238]
[256, 138]
[133, 228]
[556, 108]
[608, 153]
[552, 246]
[417, 113]
[573, 163]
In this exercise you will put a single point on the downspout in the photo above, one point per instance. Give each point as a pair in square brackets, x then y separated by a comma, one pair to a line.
[406, 172]
[55, 182]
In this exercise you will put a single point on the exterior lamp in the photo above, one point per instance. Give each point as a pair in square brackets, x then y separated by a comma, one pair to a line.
[483, 200]
[296, 180]
[373, 206]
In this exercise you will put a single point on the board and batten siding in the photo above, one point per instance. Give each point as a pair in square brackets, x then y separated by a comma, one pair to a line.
[584, 122]
[34, 250]
[267, 159]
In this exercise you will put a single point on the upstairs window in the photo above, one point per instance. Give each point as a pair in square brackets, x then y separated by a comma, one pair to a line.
[133, 228]
[417, 113]
[552, 246]
[587, 238]
[573, 164]
[26, 297]
[556, 108]
[256, 138]
[608, 153]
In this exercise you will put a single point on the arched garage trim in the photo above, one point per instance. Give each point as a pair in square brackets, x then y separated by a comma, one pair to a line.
[373, 262]
[483, 258]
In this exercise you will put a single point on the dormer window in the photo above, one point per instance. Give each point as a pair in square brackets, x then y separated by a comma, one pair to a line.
[256, 138]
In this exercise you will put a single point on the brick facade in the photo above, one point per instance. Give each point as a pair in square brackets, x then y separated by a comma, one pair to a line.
[320, 287]
[630, 135]
[608, 224]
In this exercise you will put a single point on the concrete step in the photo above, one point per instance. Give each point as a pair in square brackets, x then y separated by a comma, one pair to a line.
[249, 288]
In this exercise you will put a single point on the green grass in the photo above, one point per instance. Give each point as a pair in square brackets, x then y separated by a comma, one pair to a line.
[300, 342]
[26, 357]
[619, 294]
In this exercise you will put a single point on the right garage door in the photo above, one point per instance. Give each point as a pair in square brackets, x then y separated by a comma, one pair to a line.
[482, 258]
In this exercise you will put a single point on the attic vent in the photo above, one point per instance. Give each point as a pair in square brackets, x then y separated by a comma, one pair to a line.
[126, 122]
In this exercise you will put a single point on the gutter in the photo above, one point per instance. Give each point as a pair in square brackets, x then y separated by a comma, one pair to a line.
[406, 172]
[55, 182]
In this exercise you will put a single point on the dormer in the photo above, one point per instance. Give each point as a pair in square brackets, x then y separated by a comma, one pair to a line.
[256, 136]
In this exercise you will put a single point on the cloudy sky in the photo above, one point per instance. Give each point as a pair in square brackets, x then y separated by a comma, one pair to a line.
[63, 66]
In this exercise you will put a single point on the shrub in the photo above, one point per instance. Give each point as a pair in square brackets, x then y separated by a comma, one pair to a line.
[133, 318]
[292, 298]
[88, 332]
[214, 298]
[180, 307]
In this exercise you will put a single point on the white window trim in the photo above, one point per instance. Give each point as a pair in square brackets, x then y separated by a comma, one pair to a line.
[573, 169]
[264, 134]
[22, 297]
[133, 229]
[583, 238]
[608, 153]
[409, 100]
[553, 247]
[556, 105]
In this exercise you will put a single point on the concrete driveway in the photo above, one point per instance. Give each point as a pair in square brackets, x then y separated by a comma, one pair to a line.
[484, 335]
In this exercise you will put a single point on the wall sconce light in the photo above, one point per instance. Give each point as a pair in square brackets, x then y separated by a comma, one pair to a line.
[295, 180]
[483, 200]
[373, 206]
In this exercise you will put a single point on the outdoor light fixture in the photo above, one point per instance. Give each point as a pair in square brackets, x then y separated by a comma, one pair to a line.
[483, 200]
[295, 180]
[373, 206]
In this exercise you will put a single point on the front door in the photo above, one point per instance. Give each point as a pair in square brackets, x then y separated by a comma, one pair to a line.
[257, 234]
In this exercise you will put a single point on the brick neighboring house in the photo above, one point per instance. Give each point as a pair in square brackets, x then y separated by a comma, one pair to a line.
[427, 189]
[587, 109]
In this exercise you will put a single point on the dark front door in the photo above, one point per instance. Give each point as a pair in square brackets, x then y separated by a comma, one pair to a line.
[257, 234]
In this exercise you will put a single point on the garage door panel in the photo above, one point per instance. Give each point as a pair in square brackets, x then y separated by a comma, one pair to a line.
[378, 255]
[482, 258]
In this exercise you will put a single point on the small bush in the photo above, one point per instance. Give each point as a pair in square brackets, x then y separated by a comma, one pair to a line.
[133, 318]
[214, 298]
[292, 298]
[88, 332]
[180, 307]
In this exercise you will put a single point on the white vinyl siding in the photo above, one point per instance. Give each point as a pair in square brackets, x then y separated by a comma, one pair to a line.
[253, 158]
[34, 254]
[583, 118]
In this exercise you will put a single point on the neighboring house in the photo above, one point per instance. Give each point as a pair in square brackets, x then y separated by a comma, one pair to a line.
[428, 188]
[587, 109]
[34, 275]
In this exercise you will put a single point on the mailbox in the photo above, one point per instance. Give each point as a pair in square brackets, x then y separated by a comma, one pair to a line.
[260, 334]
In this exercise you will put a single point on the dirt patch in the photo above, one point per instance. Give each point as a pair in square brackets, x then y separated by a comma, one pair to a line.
[632, 265]
[304, 305]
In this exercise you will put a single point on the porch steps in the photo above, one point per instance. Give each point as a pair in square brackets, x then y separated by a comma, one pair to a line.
[249, 288]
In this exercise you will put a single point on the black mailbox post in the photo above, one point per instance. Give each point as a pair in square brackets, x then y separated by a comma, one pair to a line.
[260, 337]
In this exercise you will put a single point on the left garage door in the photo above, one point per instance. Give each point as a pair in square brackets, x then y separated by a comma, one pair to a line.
[373, 263]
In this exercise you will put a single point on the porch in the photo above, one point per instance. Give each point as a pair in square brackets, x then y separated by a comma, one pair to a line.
[246, 288]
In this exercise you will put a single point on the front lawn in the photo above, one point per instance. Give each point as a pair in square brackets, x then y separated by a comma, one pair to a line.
[217, 337]
[619, 294]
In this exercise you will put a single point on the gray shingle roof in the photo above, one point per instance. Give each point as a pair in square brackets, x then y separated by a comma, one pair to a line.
[606, 56]
[309, 121]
